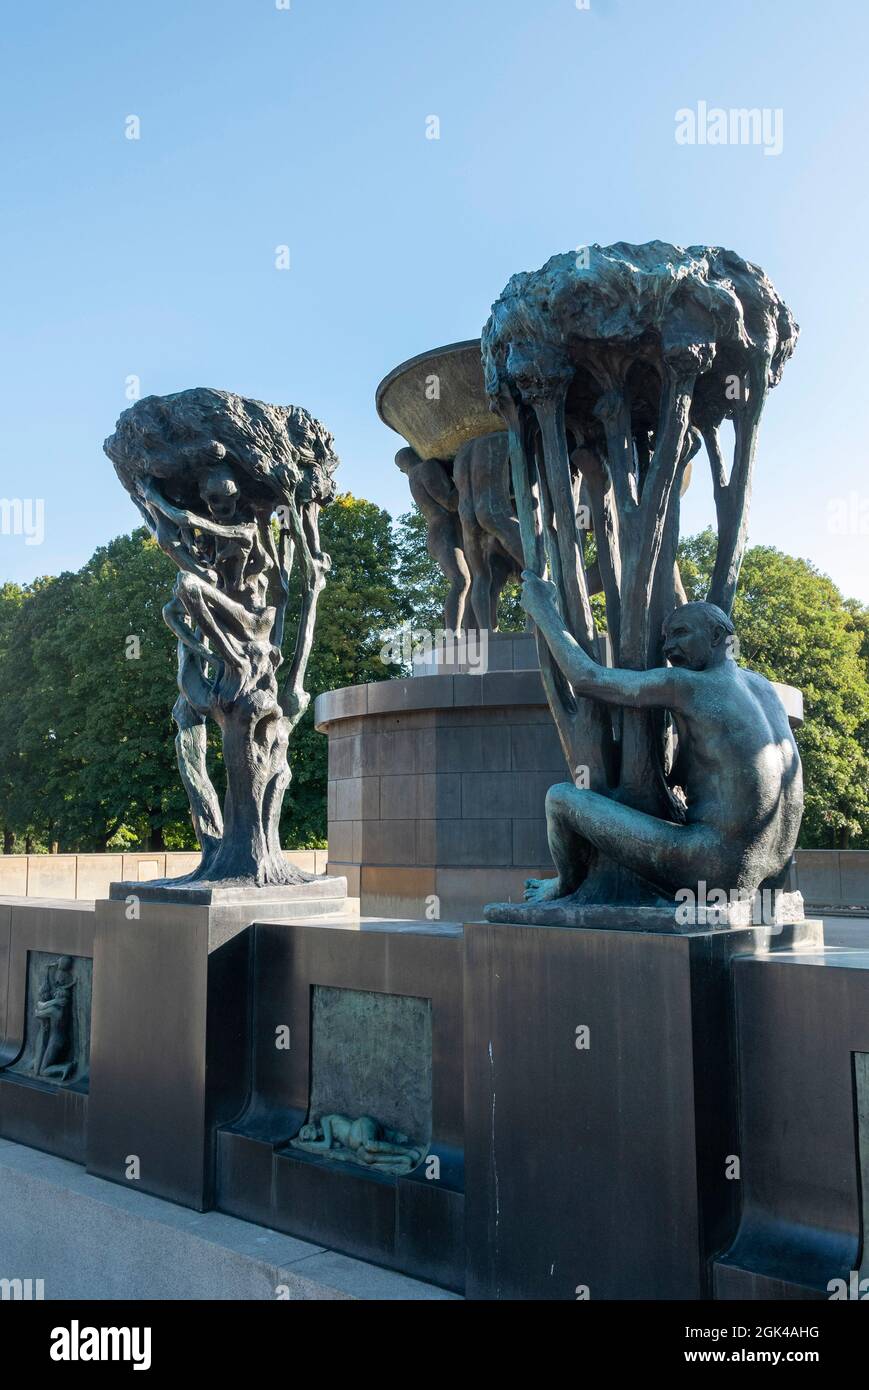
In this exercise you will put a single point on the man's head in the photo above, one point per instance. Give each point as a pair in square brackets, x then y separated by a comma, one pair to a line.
[219, 492]
[695, 636]
[309, 1133]
[406, 459]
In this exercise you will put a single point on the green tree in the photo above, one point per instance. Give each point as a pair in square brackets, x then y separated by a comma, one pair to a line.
[93, 684]
[793, 626]
[87, 684]
[14, 808]
[419, 577]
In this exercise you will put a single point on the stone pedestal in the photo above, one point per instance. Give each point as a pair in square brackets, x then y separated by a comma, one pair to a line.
[170, 1029]
[601, 1108]
[437, 786]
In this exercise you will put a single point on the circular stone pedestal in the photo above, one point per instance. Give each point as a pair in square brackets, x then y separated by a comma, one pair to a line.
[437, 784]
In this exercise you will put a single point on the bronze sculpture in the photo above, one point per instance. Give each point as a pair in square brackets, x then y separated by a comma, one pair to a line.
[738, 768]
[362, 1140]
[616, 367]
[231, 489]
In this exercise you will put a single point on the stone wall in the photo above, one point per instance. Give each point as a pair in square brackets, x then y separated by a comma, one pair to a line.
[87, 876]
[837, 878]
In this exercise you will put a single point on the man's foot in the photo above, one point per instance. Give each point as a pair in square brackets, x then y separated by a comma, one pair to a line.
[542, 890]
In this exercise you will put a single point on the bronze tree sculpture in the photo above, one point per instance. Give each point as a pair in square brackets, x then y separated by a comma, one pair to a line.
[616, 365]
[231, 489]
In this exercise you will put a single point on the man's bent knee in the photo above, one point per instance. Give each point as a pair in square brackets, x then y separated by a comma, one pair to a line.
[560, 797]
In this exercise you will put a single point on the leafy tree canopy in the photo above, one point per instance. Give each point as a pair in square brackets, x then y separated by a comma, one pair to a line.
[87, 681]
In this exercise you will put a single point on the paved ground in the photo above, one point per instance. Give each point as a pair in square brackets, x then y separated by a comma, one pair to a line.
[85, 1238]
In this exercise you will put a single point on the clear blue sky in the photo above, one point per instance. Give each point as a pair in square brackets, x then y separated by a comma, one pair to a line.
[262, 126]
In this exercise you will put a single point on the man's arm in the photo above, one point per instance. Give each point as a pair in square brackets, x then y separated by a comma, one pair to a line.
[182, 517]
[664, 686]
[439, 485]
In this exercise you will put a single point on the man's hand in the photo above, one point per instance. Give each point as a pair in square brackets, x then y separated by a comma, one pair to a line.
[539, 598]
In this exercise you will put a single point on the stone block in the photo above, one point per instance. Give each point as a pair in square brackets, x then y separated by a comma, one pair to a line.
[489, 795]
[478, 748]
[420, 795]
[535, 747]
[351, 701]
[601, 1107]
[363, 1212]
[396, 892]
[51, 876]
[345, 757]
[464, 893]
[467, 691]
[170, 1015]
[512, 688]
[49, 1115]
[418, 693]
[181, 862]
[818, 876]
[96, 872]
[854, 877]
[464, 842]
[141, 868]
[351, 872]
[803, 1145]
[357, 798]
[388, 842]
[302, 859]
[13, 875]
[525, 653]
[402, 750]
[341, 842]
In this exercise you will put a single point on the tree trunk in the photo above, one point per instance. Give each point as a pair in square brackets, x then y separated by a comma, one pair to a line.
[255, 741]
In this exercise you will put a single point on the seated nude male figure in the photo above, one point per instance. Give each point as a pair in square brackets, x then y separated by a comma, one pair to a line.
[738, 762]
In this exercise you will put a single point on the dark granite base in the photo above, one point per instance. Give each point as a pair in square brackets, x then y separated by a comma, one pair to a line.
[597, 1161]
[169, 1045]
[413, 1223]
